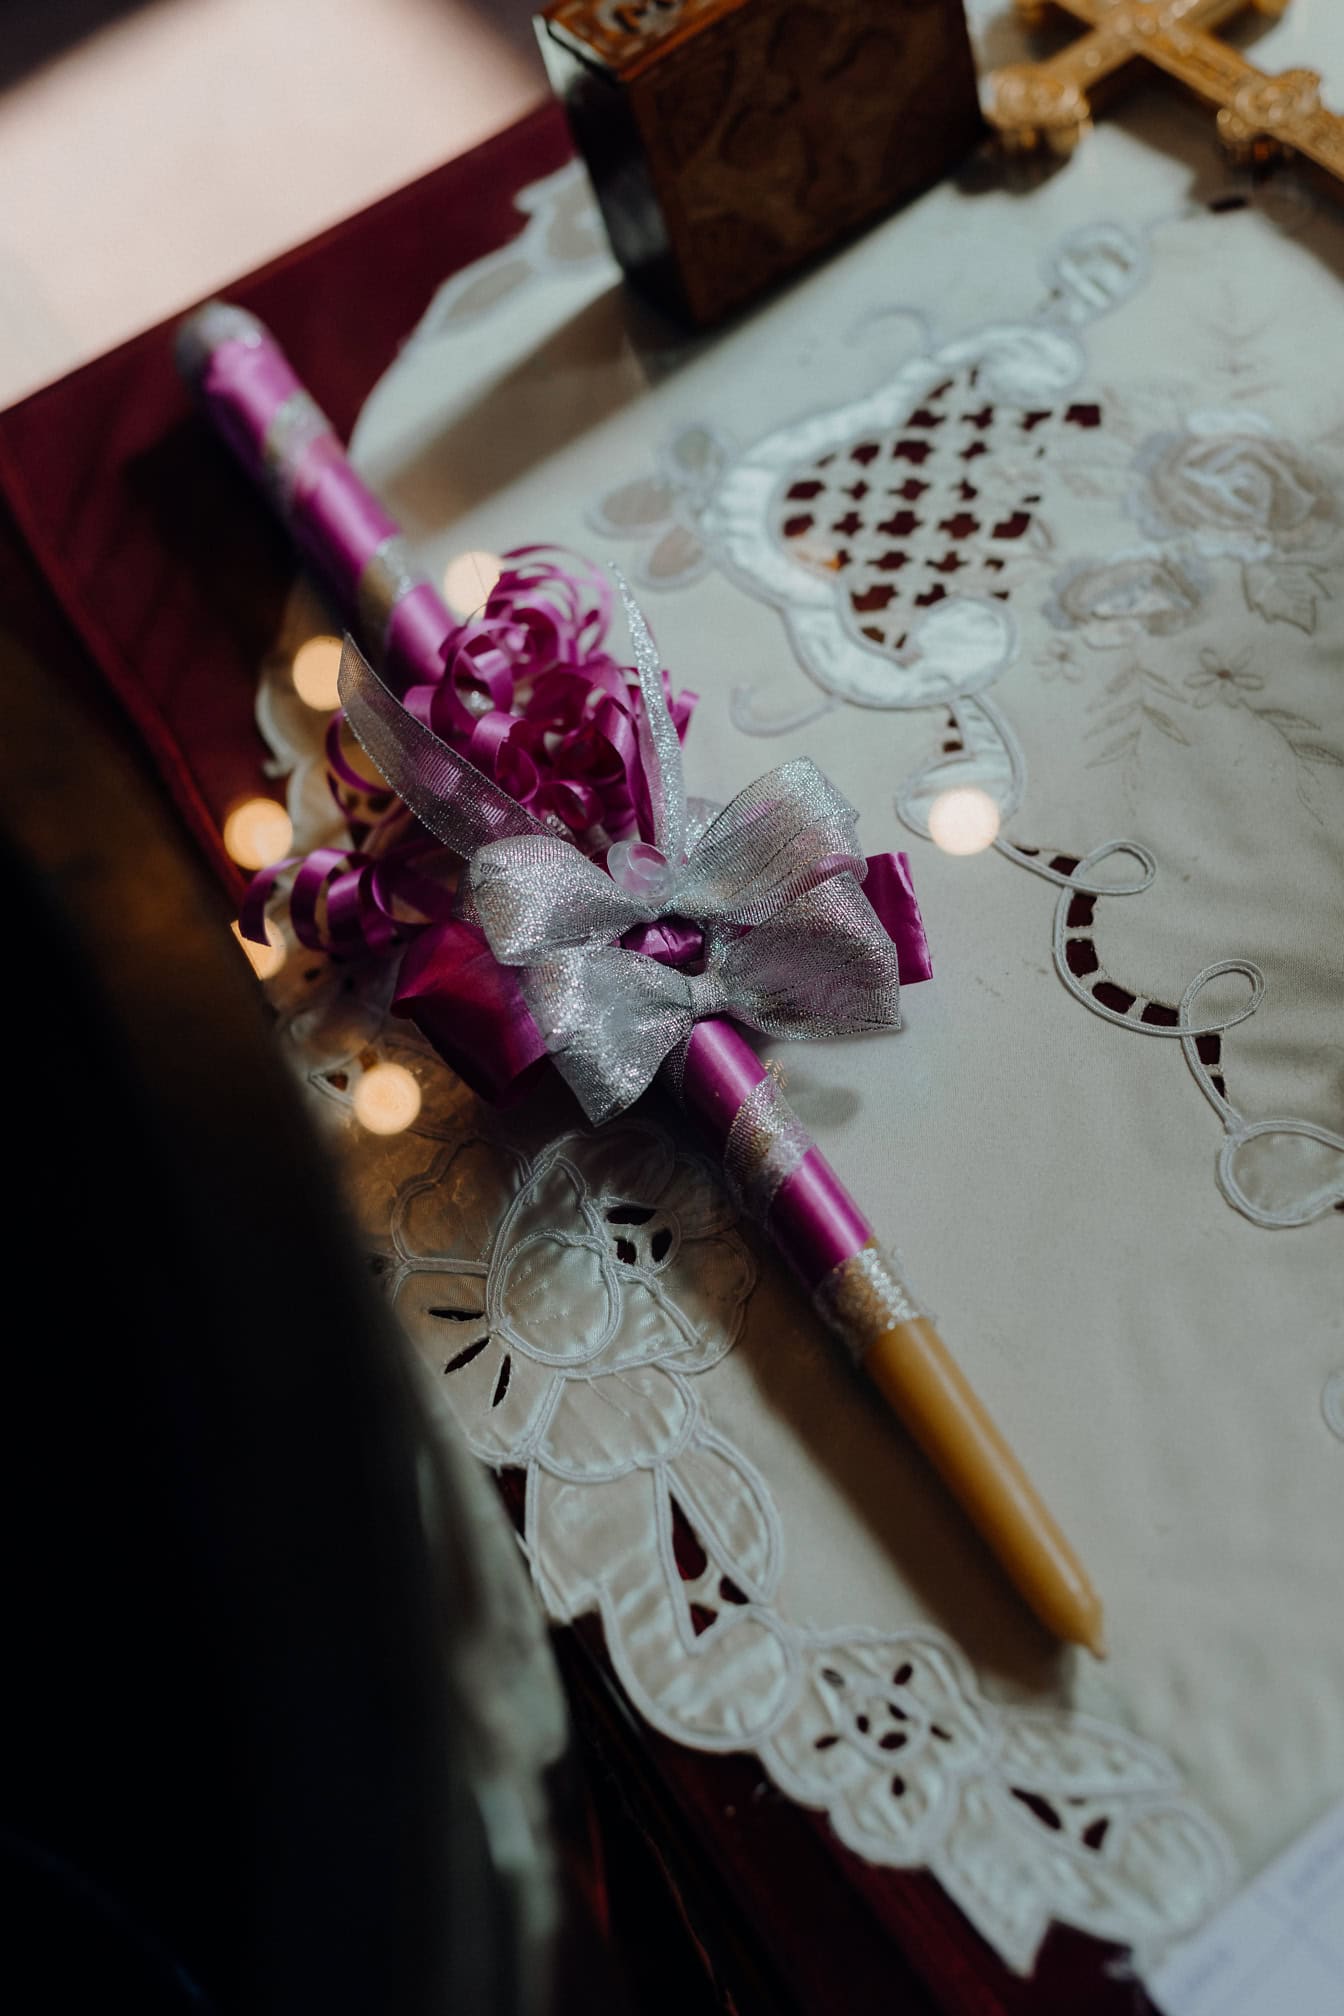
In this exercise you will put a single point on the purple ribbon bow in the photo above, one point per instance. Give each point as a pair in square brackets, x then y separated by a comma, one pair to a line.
[755, 913]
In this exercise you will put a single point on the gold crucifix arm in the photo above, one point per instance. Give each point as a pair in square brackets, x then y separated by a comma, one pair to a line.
[1047, 104]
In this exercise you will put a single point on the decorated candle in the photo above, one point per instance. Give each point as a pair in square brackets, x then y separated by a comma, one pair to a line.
[764, 914]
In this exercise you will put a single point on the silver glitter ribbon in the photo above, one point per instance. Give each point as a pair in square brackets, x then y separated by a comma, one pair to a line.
[765, 1145]
[793, 948]
[294, 429]
[388, 576]
[864, 1297]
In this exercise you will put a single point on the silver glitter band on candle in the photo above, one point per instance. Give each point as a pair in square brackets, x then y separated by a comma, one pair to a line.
[765, 1144]
[389, 574]
[863, 1297]
[217, 323]
[295, 426]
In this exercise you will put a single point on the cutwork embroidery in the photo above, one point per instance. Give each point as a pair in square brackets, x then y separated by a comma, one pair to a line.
[662, 509]
[893, 533]
[1332, 1403]
[601, 1279]
[563, 234]
[636, 1507]
[948, 501]
[570, 1306]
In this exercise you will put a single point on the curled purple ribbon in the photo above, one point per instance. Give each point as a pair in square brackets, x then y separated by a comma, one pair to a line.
[531, 694]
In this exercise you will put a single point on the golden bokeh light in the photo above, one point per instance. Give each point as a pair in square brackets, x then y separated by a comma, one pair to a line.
[964, 820]
[257, 833]
[467, 581]
[315, 670]
[387, 1099]
[359, 760]
[265, 960]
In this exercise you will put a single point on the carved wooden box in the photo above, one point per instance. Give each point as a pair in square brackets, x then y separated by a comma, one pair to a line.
[730, 140]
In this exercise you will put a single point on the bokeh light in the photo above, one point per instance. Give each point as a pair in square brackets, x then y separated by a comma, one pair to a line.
[387, 1099]
[257, 832]
[316, 667]
[467, 581]
[964, 820]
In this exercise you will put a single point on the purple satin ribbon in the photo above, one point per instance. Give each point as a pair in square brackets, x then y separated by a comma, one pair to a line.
[813, 1219]
[245, 384]
[470, 1008]
[815, 1222]
[890, 888]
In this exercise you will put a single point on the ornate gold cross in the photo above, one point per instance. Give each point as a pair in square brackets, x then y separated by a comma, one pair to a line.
[1260, 118]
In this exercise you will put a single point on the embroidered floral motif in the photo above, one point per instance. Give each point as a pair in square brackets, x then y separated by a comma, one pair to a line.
[563, 234]
[911, 1753]
[1234, 488]
[1227, 678]
[796, 521]
[569, 1306]
[564, 1306]
[1237, 488]
[1127, 596]
[663, 508]
[1056, 660]
[1332, 1403]
[1134, 699]
[1224, 678]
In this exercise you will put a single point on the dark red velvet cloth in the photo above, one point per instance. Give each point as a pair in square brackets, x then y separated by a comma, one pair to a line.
[163, 562]
[136, 562]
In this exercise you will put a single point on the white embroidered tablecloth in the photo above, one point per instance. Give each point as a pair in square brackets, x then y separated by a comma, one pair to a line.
[1040, 491]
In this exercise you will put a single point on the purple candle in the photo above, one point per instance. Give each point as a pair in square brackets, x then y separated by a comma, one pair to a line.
[769, 1160]
[288, 446]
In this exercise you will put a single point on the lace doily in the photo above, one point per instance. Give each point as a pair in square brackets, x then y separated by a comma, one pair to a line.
[568, 1300]
[1153, 561]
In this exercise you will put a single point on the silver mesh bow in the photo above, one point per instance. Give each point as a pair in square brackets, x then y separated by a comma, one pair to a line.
[793, 948]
